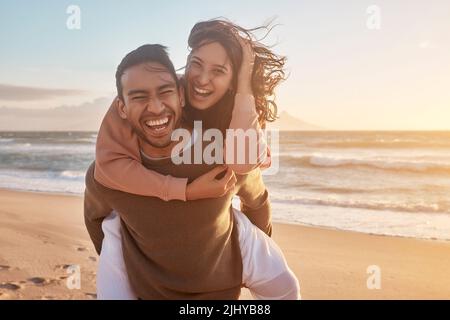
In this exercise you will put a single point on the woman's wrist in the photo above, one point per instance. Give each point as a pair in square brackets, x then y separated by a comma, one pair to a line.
[244, 86]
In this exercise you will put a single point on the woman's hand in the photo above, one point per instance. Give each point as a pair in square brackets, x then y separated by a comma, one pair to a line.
[246, 70]
[208, 186]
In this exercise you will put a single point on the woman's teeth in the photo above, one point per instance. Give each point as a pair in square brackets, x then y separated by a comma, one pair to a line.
[202, 92]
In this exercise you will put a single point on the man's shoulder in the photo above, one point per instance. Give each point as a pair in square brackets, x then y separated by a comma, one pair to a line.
[89, 178]
[92, 185]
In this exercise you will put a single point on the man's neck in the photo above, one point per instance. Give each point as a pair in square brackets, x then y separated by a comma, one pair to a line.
[160, 152]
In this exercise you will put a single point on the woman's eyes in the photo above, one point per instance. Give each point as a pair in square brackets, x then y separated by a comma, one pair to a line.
[139, 98]
[196, 64]
[218, 71]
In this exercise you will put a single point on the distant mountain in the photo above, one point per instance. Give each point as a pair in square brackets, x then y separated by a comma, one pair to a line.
[88, 117]
[288, 122]
[84, 117]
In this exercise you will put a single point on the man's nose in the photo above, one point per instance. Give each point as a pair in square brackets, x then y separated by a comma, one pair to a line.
[155, 106]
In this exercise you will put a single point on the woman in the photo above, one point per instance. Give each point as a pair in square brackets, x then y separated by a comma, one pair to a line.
[225, 69]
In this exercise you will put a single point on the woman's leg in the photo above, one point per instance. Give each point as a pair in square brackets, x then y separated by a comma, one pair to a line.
[112, 278]
[265, 270]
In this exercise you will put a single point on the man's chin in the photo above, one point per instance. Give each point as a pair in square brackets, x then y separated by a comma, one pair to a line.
[158, 143]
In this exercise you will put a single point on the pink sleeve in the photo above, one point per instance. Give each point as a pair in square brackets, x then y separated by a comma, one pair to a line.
[118, 163]
[245, 117]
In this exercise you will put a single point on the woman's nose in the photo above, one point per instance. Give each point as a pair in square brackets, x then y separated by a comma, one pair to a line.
[203, 78]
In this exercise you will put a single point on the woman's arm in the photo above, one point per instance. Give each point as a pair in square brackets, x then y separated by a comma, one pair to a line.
[245, 117]
[118, 166]
[118, 162]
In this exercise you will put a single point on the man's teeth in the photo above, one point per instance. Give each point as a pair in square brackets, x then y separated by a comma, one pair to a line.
[158, 122]
[201, 91]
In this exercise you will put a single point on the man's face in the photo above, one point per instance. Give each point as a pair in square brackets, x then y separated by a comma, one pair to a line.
[151, 103]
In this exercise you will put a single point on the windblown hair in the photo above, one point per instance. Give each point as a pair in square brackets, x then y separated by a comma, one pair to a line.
[268, 69]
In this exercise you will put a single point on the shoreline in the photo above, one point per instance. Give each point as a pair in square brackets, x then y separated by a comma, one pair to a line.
[80, 195]
[42, 234]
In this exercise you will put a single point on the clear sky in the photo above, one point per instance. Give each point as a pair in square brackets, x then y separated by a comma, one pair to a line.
[343, 74]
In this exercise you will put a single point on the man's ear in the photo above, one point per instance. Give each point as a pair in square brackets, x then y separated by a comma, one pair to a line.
[182, 98]
[121, 108]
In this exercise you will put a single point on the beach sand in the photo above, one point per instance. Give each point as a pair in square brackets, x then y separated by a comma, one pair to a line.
[42, 236]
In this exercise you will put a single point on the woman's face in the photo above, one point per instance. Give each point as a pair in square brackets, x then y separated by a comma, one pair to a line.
[209, 75]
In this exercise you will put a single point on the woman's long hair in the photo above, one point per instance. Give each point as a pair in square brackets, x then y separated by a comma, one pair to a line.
[268, 69]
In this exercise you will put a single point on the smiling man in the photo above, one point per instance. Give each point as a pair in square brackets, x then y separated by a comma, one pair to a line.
[150, 98]
[155, 249]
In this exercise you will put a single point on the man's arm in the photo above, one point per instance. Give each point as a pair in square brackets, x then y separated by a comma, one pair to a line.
[95, 209]
[255, 202]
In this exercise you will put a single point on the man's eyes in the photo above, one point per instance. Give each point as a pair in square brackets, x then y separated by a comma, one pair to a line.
[164, 93]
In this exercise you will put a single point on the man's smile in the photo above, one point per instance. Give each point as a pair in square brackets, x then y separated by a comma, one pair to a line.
[158, 126]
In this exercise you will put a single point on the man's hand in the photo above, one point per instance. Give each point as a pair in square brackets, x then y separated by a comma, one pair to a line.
[208, 186]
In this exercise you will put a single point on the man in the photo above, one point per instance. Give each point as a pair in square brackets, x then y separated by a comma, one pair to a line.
[175, 249]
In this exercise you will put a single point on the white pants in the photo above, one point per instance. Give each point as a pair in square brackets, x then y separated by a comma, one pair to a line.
[265, 271]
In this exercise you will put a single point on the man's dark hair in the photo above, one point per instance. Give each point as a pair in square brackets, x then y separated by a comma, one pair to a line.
[144, 54]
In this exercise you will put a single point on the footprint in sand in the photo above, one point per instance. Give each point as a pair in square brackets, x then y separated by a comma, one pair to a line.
[62, 266]
[91, 295]
[93, 259]
[10, 286]
[4, 268]
[40, 281]
[81, 249]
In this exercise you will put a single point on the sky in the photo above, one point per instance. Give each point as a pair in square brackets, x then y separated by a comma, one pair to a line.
[352, 65]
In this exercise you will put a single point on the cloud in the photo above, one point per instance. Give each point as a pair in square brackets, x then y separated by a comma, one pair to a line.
[21, 93]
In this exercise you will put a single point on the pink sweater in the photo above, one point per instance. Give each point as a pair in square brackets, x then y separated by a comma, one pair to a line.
[118, 162]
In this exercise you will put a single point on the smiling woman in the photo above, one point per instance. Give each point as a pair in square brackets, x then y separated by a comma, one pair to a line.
[227, 59]
[209, 75]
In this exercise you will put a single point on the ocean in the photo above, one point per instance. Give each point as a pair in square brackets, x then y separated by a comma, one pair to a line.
[387, 183]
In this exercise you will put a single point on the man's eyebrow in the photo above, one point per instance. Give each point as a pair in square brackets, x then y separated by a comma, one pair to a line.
[215, 65]
[137, 91]
[167, 86]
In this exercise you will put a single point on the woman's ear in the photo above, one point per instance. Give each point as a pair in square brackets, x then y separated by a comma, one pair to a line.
[121, 108]
[182, 98]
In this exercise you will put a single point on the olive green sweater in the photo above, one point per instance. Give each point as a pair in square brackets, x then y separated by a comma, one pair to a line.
[176, 249]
